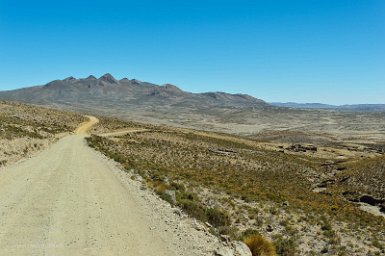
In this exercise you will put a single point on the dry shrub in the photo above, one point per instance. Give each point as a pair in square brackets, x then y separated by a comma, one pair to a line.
[260, 246]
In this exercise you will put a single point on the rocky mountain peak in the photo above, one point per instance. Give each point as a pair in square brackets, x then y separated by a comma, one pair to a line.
[69, 79]
[108, 78]
[169, 88]
[91, 77]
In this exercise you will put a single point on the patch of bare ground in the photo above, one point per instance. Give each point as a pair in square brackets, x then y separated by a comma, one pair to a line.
[237, 186]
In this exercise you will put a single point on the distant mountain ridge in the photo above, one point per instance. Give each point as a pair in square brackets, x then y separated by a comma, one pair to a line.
[92, 92]
[124, 91]
[353, 107]
[137, 100]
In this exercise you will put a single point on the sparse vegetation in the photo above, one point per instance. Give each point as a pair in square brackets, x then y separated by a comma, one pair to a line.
[285, 246]
[233, 183]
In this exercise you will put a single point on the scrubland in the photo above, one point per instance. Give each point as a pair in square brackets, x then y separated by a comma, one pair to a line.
[305, 203]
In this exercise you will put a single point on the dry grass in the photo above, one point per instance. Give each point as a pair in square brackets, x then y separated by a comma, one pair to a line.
[260, 246]
[365, 177]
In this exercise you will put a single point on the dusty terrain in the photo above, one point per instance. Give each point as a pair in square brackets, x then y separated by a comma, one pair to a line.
[70, 200]
[306, 192]
[309, 193]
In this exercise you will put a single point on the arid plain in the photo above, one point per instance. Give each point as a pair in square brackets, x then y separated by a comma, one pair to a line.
[230, 167]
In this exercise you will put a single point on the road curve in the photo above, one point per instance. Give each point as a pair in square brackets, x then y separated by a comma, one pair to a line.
[67, 201]
[85, 127]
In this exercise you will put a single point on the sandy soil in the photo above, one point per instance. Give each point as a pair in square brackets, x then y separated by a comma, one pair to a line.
[70, 200]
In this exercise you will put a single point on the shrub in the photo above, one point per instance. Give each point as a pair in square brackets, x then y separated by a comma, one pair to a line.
[194, 209]
[232, 232]
[217, 218]
[177, 186]
[167, 198]
[260, 246]
[378, 244]
[285, 246]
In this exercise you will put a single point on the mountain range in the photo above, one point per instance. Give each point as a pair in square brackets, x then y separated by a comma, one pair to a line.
[108, 90]
[132, 99]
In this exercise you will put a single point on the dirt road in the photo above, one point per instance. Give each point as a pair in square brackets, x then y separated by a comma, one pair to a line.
[86, 126]
[68, 201]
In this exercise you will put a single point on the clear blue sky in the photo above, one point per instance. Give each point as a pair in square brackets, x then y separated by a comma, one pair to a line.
[330, 51]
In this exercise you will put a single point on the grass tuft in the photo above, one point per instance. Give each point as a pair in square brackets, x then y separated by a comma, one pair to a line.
[260, 246]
